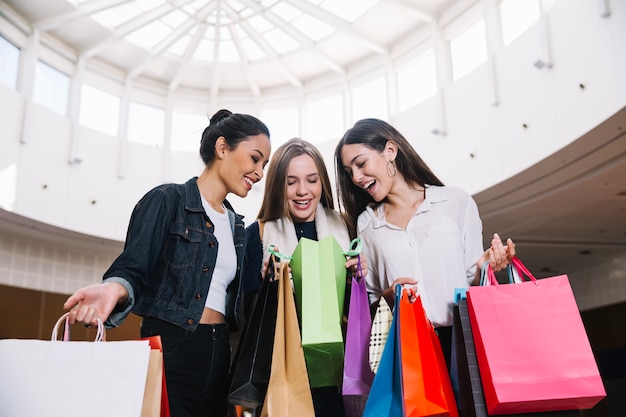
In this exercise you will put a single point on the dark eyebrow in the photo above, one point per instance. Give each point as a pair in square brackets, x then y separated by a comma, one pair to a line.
[352, 161]
[259, 152]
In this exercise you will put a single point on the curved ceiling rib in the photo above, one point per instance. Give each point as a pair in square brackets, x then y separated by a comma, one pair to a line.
[229, 46]
[245, 67]
[85, 9]
[189, 51]
[416, 11]
[298, 36]
[337, 22]
[163, 45]
[271, 53]
[129, 27]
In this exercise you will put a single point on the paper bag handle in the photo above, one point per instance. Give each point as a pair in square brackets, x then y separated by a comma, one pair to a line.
[356, 246]
[522, 270]
[488, 277]
[100, 334]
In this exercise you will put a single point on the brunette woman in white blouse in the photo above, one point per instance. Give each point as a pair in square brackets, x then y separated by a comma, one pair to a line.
[414, 229]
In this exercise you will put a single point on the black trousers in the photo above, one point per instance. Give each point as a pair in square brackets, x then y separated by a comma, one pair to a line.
[196, 366]
[445, 338]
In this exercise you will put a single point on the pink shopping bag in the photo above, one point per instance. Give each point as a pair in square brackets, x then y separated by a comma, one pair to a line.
[532, 348]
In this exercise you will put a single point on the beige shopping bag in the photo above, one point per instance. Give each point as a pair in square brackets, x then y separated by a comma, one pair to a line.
[288, 391]
[154, 383]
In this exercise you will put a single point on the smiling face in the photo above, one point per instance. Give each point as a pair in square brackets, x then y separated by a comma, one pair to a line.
[368, 168]
[244, 165]
[304, 188]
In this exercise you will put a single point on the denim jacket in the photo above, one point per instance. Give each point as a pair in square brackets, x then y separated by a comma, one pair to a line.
[169, 257]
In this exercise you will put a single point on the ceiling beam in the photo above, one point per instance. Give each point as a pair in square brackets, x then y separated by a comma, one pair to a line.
[271, 53]
[336, 22]
[214, 87]
[84, 9]
[176, 34]
[131, 26]
[414, 10]
[189, 52]
[301, 38]
[244, 62]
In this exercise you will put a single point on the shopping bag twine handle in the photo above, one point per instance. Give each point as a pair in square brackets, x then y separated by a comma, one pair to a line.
[281, 256]
[356, 246]
[100, 334]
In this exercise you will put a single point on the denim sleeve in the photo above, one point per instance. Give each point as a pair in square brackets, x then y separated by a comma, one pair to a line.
[120, 312]
[146, 235]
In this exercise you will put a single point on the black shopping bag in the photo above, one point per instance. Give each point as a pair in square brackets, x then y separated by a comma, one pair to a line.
[253, 360]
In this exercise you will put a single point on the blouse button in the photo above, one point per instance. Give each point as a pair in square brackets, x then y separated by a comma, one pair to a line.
[198, 296]
[190, 322]
[211, 244]
[205, 269]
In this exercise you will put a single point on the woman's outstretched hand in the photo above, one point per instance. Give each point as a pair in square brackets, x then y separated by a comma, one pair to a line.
[499, 256]
[94, 302]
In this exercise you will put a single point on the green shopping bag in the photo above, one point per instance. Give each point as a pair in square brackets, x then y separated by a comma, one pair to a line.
[319, 278]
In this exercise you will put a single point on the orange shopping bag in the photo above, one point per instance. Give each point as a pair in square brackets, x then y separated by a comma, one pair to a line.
[426, 386]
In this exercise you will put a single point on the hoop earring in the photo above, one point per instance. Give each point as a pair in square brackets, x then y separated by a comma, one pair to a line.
[391, 169]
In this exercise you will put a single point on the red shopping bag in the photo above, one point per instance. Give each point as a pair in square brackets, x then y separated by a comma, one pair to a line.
[532, 348]
[426, 386]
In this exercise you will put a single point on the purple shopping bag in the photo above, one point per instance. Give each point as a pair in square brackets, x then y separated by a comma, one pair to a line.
[357, 374]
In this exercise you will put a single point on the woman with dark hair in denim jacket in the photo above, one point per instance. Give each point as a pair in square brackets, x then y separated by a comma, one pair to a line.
[180, 266]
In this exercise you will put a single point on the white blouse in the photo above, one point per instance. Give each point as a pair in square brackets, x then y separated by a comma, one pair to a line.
[439, 248]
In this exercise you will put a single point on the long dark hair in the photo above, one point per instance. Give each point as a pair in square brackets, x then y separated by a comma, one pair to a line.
[233, 127]
[275, 205]
[375, 134]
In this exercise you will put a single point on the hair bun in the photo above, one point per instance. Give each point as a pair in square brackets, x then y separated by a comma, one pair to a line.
[219, 116]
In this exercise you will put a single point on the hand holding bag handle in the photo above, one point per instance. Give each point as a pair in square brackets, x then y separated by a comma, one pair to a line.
[100, 334]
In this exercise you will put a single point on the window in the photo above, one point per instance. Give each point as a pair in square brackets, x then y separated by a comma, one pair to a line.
[370, 100]
[283, 123]
[516, 17]
[468, 50]
[324, 119]
[9, 63]
[417, 81]
[99, 110]
[187, 130]
[146, 124]
[51, 88]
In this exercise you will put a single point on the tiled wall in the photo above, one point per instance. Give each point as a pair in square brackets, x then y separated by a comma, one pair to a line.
[28, 263]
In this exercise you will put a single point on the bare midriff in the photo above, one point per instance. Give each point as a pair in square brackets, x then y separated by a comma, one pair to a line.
[210, 316]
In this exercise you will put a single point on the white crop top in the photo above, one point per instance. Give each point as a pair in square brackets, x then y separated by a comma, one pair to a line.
[226, 262]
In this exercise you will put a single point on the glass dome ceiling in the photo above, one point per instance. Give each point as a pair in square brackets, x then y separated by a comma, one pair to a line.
[228, 46]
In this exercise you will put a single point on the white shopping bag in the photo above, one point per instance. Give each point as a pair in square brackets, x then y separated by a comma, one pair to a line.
[72, 378]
